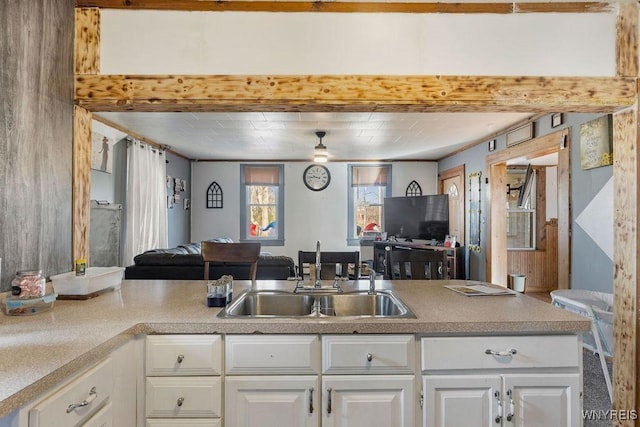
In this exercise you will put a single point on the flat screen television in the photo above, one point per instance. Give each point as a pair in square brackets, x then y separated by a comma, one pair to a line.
[417, 217]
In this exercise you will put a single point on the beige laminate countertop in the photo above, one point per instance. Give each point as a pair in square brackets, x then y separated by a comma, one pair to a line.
[38, 352]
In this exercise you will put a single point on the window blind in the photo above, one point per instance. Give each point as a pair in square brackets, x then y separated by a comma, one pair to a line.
[261, 175]
[369, 176]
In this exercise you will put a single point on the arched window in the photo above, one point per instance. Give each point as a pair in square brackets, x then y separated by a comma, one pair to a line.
[214, 196]
[413, 189]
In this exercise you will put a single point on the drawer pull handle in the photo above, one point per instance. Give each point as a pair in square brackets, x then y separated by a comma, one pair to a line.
[508, 353]
[93, 393]
[329, 401]
[369, 357]
[180, 401]
[180, 358]
[311, 400]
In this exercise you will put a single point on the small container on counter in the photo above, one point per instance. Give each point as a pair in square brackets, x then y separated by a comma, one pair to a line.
[219, 292]
[14, 306]
[28, 284]
[81, 267]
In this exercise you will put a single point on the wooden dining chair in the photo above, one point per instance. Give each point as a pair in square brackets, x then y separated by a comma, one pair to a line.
[236, 253]
[332, 264]
[412, 264]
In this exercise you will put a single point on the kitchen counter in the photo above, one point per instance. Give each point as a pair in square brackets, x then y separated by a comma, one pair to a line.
[37, 352]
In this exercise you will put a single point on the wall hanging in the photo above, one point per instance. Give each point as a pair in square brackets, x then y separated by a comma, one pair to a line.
[413, 189]
[214, 196]
[596, 147]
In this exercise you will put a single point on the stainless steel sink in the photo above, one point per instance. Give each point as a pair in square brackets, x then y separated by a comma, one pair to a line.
[264, 304]
[269, 304]
[378, 304]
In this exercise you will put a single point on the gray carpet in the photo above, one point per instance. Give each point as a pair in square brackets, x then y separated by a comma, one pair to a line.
[596, 396]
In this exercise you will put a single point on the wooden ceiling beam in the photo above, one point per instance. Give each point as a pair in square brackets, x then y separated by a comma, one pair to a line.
[166, 93]
[345, 7]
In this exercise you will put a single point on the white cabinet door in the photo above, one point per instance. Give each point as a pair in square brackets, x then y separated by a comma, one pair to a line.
[461, 400]
[272, 401]
[524, 400]
[368, 401]
[548, 400]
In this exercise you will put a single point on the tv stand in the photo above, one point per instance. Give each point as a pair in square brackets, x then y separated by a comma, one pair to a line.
[455, 256]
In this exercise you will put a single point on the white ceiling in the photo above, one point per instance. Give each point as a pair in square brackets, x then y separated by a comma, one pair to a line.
[291, 136]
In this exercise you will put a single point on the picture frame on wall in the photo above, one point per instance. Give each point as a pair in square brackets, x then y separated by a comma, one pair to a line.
[556, 120]
[521, 134]
[596, 142]
[101, 158]
[492, 145]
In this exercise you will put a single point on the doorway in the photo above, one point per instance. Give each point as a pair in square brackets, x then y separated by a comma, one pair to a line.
[497, 256]
[451, 182]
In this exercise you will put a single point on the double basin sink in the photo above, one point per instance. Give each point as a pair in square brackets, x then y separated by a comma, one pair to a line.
[269, 303]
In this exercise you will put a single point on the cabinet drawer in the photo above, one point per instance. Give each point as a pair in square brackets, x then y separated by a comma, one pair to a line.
[549, 351]
[190, 397]
[94, 386]
[168, 355]
[269, 354]
[102, 418]
[195, 422]
[369, 354]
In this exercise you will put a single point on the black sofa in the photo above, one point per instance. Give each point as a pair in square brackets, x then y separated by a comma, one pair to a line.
[184, 262]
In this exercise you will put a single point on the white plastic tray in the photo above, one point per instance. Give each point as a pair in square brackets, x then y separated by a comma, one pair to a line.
[95, 281]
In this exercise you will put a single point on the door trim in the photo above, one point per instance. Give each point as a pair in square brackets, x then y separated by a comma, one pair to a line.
[496, 247]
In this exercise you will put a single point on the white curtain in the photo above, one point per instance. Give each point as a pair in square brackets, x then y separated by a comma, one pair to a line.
[146, 213]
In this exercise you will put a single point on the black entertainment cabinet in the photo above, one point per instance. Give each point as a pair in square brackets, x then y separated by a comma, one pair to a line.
[381, 252]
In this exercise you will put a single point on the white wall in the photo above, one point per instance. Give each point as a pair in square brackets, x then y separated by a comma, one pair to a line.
[309, 215]
[172, 42]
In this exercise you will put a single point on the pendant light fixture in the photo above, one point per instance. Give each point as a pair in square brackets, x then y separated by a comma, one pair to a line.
[320, 153]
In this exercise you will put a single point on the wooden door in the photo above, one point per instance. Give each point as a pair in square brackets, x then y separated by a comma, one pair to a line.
[452, 183]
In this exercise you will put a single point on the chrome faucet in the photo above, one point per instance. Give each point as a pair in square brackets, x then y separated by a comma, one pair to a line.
[317, 282]
[372, 280]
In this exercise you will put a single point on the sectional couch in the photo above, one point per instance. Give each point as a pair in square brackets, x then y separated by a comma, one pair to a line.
[184, 262]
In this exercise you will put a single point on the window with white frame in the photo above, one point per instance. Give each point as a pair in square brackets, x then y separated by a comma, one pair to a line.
[368, 186]
[262, 203]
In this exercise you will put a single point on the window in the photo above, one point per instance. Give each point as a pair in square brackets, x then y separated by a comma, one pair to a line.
[521, 208]
[262, 204]
[368, 186]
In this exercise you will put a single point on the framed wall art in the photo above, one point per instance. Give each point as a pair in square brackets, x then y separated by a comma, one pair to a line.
[101, 158]
[522, 134]
[596, 143]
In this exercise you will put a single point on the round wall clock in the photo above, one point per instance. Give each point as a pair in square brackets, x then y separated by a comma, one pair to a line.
[316, 177]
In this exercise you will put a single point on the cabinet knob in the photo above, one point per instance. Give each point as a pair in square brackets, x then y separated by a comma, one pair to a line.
[311, 400]
[180, 401]
[329, 401]
[180, 358]
[369, 357]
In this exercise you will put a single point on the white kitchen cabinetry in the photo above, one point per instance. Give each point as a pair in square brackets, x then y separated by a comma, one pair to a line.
[501, 381]
[368, 380]
[272, 380]
[183, 380]
[103, 395]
